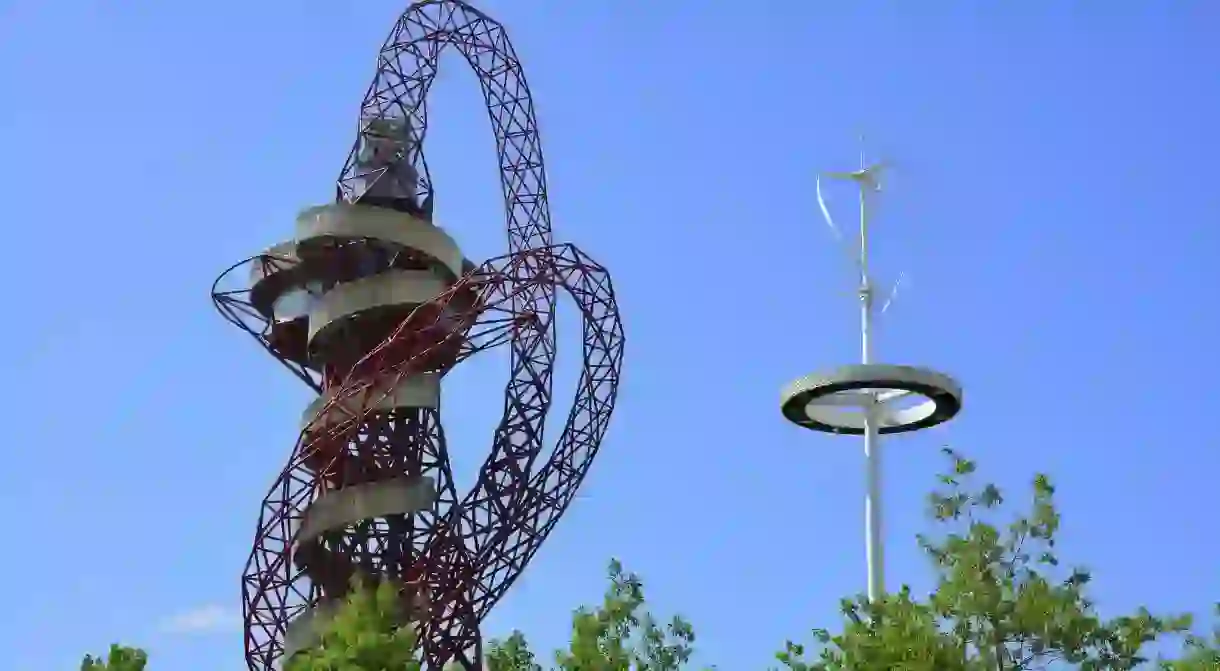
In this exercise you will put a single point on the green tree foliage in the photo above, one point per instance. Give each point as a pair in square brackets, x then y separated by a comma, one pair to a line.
[118, 659]
[618, 635]
[1201, 654]
[366, 634]
[363, 635]
[1002, 602]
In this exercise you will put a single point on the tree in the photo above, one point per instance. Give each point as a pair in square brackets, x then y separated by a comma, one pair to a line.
[365, 634]
[119, 659]
[618, 635]
[1002, 602]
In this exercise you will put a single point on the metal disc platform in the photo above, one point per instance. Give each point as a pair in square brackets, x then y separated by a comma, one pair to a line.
[839, 401]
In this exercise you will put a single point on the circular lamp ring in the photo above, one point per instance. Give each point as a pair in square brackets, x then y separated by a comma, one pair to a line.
[838, 401]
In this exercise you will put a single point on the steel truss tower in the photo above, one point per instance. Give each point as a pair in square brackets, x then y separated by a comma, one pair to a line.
[370, 305]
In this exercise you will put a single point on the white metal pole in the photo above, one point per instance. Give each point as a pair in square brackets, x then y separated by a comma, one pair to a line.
[873, 547]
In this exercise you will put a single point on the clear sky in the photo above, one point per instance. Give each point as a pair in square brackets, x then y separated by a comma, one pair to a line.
[1053, 207]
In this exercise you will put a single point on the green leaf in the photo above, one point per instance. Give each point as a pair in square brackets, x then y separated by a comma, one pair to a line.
[119, 658]
[994, 607]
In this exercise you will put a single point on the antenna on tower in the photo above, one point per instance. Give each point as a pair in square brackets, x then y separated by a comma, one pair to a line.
[869, 399]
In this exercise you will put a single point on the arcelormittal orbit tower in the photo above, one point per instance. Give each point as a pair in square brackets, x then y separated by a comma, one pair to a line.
[371, 304]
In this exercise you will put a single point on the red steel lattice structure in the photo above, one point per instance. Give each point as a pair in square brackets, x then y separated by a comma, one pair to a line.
[371, 304]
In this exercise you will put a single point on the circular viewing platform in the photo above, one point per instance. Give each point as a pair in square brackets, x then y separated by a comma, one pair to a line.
[898, 398]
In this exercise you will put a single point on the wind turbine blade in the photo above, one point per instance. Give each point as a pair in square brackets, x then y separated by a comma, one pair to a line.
[853, 176]
[826, 212]
[893, 293]
[870, 177]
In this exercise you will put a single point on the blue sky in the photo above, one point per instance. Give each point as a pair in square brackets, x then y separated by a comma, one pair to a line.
[1053, 207]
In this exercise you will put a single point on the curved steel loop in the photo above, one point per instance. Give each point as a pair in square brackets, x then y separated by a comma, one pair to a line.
[272, 589]
[513, 506]
[552, 487]
[406, 68]
[471, 548]
[235, 307]
[492, 532]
